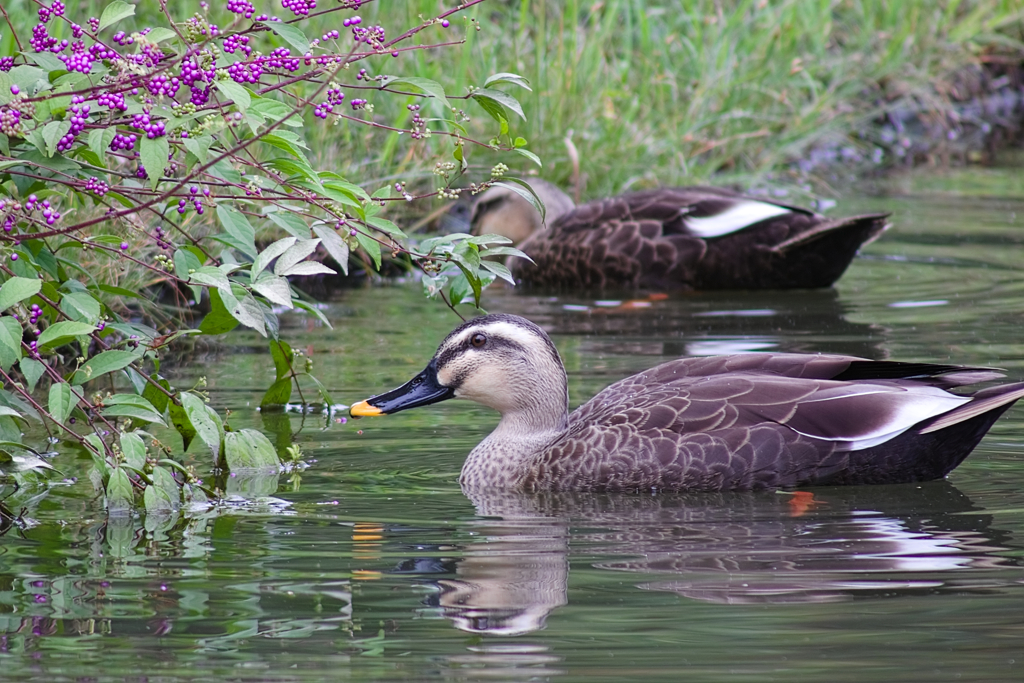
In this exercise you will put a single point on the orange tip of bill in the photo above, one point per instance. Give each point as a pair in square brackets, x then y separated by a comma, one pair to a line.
[364, 409]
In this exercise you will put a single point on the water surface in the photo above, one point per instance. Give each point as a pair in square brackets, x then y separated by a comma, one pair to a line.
[372, 564]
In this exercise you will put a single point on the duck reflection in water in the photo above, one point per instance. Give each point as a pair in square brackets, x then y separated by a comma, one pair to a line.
[826, 545]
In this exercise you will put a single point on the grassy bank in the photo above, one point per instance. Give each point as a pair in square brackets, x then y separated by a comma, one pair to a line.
[655, 93]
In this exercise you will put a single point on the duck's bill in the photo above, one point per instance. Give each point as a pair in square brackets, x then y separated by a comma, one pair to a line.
[421, 390]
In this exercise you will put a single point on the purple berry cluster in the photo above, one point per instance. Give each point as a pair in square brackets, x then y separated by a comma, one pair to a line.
[419, 124]
[362, 75]
[49, 213]
[55, 10]
[335, 96]
[160, 234]
[352, 21]
[6, 63]
[236, 41]
[163, 85]
[358, 104]
[123, 141]
[197, 201]
[123, 39]
[10, 122]
[246, 72]
[153, 129]
[79, 117]
[280, 58]
[94, 24]
[330, 35]
[42, 41]
[243, 7]
[34, 313]
[96, 186]
[79, 60]
[371, 35]
[299, 8]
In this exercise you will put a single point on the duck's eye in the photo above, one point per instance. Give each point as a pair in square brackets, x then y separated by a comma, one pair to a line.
[478, 340]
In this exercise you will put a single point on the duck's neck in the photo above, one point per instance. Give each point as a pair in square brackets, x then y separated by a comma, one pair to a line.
[502, 460]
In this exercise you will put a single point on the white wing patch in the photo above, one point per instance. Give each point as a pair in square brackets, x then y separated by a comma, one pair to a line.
[904, 408]
[738, 216]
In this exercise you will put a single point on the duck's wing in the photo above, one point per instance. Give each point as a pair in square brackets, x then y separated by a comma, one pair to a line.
[753, 428]
[691, 237]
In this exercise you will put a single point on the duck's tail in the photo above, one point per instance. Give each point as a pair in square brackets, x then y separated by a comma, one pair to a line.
[987, 401]
[867, 229]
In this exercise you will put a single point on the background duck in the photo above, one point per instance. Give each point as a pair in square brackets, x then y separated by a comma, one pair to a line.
[749, 421]
[672, 238]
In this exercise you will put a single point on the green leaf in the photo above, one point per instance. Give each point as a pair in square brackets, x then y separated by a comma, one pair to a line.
[33, 370]
[499, 97]
[500, 270]
[206, 427]
[115, 12]
[101, 364]
[496, 111]
[274, 288]
[164, 480]
[235, 92]
[283, 356]
[432, 88]
[506, 77]
[120, 494]
[81, 307]
[158, 399]
[239, 228]
[61, 401]
[156, 500]
[299, 250]
[18, 289]
[248, 449]
[199, 146]
[153, 154]
[246, 311]
[10, 342]
[335, 246]
[314, 311]
[308, 268]
[524, 190]
[291, 34]
[219, 320]
[370, 246]
[529, 155]
[133, 406]
[52, 133]
[160, 34]
[387, 227]
[100, 139]
[63, 332]
[209, 276]
[269, 254]
[134, 449]
[294, 167]
[326, 397]
[120, 291]
[279, 393]
[290, 223]
[286, 145]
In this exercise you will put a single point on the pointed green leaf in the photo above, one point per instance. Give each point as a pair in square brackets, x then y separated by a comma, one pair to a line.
[63, 332]
[506, 77]
[10, 342]
[133, 406]
[370, 246]
[239, 228]
[115, 12]
[432, 88]
[295, 253]
[18, 289]
[279, 393]
[101, 364]
[52, 134]
[134, 449]
[219, 320]
[81, 307]
[120, 494]
[235, 92]
[199, 415]
[153, 153]
[33, 370]
[269, 254]
[290, 223]
[100, 139]
[499, 97]
[61, 402]
[276, 289]
[291, 34]
[335, 246]
[283, 356]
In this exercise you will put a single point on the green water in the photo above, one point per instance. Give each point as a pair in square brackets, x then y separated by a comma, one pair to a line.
[373, 565]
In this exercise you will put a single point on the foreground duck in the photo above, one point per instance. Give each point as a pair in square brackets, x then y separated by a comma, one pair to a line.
[673, 238]
[749, 421]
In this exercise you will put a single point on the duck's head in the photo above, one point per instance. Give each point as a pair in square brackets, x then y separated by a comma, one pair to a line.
[500, 211]
[501, 361]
